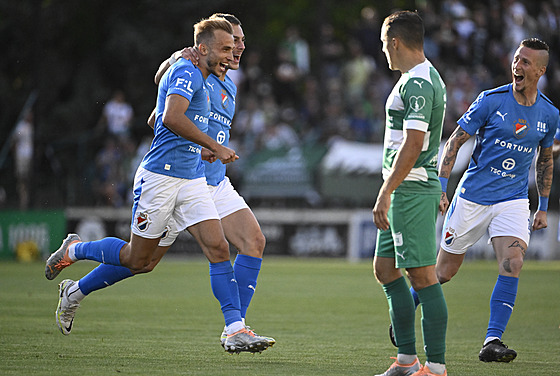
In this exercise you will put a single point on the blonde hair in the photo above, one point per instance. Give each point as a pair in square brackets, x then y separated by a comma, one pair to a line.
[204, 30]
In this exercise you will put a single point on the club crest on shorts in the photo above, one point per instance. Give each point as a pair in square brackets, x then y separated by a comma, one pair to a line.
[449, 237]
[165, 232]
[142, 221]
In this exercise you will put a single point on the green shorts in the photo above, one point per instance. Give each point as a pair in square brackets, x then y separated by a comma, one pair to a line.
[411, 237]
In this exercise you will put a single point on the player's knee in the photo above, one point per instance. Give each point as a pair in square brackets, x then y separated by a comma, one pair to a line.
[444, 276]
[255, 245]
[148, 268]
[512, 266]
[217, 251]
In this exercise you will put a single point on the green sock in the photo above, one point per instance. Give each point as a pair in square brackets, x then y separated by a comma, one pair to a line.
[401, 309]
[434, 322]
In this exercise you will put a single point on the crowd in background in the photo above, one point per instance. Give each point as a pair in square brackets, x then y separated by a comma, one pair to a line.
[337, 88]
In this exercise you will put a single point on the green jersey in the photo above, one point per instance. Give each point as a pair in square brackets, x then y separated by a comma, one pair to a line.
[417, 102]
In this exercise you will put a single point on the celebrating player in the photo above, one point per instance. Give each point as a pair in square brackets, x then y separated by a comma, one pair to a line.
[170, 194]
[238, 221]
[510, 124]
[407, 203]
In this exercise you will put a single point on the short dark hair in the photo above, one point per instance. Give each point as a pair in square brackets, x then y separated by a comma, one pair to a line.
[534, 44]
[538, 45]
[230, 17]
[407, 26]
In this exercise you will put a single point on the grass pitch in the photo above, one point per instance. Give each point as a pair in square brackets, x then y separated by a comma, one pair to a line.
[329, 317]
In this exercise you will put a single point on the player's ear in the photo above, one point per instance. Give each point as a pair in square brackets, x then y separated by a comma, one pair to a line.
[203, 49]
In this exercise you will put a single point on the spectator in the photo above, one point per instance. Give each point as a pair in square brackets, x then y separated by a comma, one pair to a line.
[116, 117]
[23, 153]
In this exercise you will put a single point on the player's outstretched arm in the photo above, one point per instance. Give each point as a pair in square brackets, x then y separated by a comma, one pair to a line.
[164, 66]
[188, 53]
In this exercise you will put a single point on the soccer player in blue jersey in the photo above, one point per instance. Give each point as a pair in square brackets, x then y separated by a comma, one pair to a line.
[171, 193]
[240, 226]
[406, 208]
[510, 123]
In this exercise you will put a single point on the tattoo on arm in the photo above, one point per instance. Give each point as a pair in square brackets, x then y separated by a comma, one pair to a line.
[450, 151]
[544, 169]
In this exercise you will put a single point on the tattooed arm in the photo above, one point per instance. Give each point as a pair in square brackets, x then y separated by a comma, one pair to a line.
[543, 167]
[450, 150]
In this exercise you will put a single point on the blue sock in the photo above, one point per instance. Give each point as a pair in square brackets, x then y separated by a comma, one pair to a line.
[106, 251]
[103, 276]
[246, 269]
[501, 305]
[415, 297]
[225, 289]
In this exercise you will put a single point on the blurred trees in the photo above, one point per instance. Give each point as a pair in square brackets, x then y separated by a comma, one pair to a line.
[74, 54]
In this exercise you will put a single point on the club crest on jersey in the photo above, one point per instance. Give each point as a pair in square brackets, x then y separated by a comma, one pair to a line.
[449, 237]
[225, 99]
[520, 128]
[142, 221]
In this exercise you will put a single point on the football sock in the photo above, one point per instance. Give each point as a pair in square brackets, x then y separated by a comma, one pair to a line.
[235, 327]
[401, 310]
[246, 270]
[103, 276]
[75, 294]
[436, 367]
[415, 297]
[406, 359]
[106, 251]
[434, 322]
[224, 287]
[501, 305]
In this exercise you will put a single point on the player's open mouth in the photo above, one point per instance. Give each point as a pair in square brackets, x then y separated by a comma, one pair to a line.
[224, 66]
[518, 78]
[236, 58]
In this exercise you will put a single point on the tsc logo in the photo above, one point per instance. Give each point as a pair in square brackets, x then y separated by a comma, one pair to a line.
[142, 221]
[221, 137]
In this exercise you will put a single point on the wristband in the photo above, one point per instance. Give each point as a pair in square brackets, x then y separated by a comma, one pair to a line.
[443, 182]
[543, 203]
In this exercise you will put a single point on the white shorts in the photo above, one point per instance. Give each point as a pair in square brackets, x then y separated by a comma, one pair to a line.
[164, 204]
[226, 199]
[466, 222]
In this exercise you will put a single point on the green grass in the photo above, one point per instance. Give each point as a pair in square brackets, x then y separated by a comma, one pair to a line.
[329, 317]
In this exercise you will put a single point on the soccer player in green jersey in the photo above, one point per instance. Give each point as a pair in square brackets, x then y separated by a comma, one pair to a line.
[407, 204]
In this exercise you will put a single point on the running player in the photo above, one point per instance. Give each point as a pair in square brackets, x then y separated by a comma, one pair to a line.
[171, 193]
[511, 123]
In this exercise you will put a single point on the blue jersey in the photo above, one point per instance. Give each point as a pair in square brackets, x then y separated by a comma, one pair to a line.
[169, 153]
[507, 138]
[222, 102]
